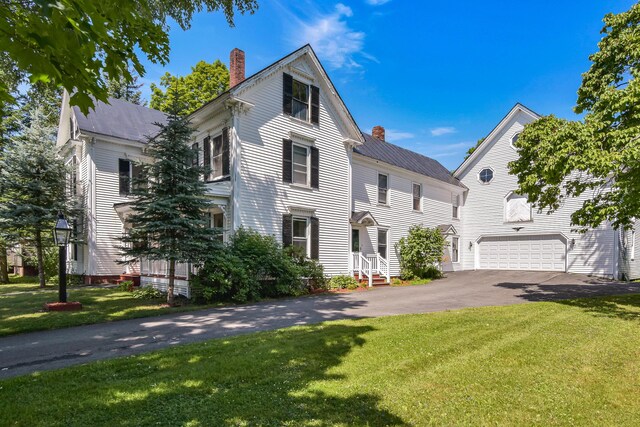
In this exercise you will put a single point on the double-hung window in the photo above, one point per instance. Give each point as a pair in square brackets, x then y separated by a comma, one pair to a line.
[216, 221]
[300, 234]
[383, 189]
[195, 160]
[216, 158]
[455, 210]
[300, 165]
[382, 242]
[124, 176]
[417, 197]
[300, 103]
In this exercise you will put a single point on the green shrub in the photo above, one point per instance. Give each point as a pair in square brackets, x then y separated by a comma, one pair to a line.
[126, 286]
[343, 282]
[396, 281]
[148, 293]
[421, 252]
[253, 266]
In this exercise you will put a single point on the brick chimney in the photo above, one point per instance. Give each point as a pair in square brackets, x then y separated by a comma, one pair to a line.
[378, 133]
[236, 67]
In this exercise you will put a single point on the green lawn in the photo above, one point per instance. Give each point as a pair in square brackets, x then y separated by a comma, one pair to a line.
[21, 307]
[571, 363]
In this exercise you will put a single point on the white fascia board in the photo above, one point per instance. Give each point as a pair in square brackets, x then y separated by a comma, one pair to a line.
[478, 151]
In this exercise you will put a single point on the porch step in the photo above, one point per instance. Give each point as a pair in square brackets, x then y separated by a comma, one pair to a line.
[376, 280]
[135, 278]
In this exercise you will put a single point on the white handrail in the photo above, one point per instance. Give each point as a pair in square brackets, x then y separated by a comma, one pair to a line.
[384, 267]
[365, 265]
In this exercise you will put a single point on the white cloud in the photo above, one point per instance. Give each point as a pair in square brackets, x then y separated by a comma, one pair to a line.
[332, 38]
[393, 135]
[442, 131]
[377, 2]
[447, 150]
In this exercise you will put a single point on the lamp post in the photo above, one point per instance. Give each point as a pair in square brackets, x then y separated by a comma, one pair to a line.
[61, 235]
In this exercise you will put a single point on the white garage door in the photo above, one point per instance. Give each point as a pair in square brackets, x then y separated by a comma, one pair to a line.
[522, 253]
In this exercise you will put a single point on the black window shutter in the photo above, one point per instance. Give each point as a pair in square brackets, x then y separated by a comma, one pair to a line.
[206, 147]
[195, 162]
[287, 93]
[225, 151]
[287, 154]
[315, 105]
[315, 238]
[287, 230]
[315, 167]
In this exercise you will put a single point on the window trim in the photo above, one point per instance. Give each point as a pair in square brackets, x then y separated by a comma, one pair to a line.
[121, 176]
[493, 175]
[386, 243]
[515, 136]
[213, 157]
[307, 119]
[307, 237]
[387, 201]
[506, 203]
[307, 149]
[457, 252]
[413, 197]
[633, 245]
[455, 207]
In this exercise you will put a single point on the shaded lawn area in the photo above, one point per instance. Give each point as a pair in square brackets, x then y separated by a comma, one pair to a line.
[570, 363]
[21, 307]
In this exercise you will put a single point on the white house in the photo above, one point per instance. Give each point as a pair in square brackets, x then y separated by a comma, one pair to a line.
[288, 159]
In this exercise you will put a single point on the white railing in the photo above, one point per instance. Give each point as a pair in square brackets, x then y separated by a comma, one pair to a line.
[383, 268]
[161, 268]
[365, 268]
[369, 265]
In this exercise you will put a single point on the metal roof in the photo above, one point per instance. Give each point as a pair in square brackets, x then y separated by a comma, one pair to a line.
[121, 119]
[405, 159]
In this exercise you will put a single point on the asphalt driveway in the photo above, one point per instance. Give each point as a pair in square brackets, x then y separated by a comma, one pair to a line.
[26, 353]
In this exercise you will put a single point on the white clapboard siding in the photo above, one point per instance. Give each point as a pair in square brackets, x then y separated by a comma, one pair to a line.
[261, 195]
[484, 210]
[398, 215]
[629, 253]
[108, 226]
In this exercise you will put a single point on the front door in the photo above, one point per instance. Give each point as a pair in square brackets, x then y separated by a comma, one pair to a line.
[355, 240]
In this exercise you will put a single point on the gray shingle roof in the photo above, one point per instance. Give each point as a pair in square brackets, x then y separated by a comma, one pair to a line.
[406, 159]
[121, 119]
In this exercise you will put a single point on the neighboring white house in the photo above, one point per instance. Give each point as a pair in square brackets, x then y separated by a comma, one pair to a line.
[288, 159]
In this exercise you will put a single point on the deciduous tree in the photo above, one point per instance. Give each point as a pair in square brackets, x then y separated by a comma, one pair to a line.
[76, 43]
[598, 157]
[205, 82]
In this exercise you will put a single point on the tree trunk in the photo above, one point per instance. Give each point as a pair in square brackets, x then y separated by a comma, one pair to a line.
[172, 279]
[40, 258]
[4, 265]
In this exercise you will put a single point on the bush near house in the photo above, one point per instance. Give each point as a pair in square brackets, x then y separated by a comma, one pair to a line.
[421, 252]
[252, 267]
[343, 282]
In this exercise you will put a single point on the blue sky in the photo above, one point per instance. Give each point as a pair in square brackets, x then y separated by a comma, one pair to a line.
[437, 75]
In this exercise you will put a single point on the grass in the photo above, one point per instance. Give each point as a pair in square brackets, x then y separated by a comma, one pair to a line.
[570, 363]
[21, 304]
[412, 282]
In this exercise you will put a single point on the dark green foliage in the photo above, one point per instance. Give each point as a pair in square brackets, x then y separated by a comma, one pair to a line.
[32, 184]
[126, 286]
[252, 267]
[598, 157]
[75, 44]
[168, 220]
[343, 282]
[126, 90]
[421, 252]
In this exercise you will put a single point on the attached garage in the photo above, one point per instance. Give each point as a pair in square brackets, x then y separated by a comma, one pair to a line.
[533, 252]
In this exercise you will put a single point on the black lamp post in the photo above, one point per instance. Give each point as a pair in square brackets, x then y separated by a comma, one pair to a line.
[61, 235]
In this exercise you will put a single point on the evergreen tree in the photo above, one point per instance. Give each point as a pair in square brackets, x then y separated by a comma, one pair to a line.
[32, 181]
[168, 220]
[126, 90]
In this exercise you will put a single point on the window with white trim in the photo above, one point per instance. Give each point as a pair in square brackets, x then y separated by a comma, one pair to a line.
[485, 176]
[300, 102]
[216, 221]
[514, 138]
[455, 203]
[300, 164]
[516, 208]
[301, 233]
[382, 242]
[417, 196]
[455, 249]
[383, 189]
[216, 158]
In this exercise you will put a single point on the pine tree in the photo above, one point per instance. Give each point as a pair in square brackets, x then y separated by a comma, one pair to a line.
[125, 90]
[32, 182]
[168, 220]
